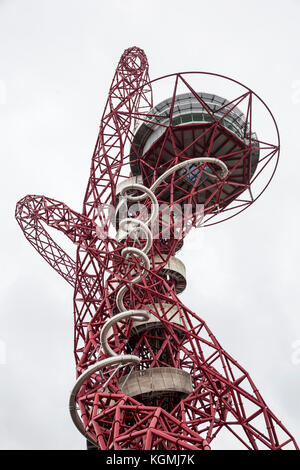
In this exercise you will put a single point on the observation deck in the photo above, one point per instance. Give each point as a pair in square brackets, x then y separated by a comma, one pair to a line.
[195, 135]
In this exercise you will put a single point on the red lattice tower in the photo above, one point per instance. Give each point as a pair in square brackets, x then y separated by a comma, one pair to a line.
[150, 373]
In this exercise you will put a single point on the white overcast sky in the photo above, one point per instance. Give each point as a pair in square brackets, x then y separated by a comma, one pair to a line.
[57, 59]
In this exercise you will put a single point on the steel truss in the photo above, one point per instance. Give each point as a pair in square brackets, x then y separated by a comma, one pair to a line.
[223, 395]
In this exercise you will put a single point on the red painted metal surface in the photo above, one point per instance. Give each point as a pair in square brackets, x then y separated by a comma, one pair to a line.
[223, 395]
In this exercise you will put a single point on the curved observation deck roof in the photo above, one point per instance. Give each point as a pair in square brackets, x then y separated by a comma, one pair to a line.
[188, 109]
[192, 122]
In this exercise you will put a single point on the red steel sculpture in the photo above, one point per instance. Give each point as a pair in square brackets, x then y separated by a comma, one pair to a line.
[150, 373]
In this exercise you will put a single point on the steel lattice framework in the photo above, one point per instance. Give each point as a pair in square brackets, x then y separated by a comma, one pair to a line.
[129, 322]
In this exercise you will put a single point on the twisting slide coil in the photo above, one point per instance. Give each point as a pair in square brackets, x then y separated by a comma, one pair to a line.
[122, 360]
